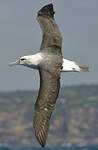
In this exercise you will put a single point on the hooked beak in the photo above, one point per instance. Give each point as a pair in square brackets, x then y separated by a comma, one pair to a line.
[14, 63]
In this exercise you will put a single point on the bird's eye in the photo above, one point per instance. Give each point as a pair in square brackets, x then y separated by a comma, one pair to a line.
[22, 59]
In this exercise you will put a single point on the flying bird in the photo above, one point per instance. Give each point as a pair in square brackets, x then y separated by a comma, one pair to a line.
[50, 63]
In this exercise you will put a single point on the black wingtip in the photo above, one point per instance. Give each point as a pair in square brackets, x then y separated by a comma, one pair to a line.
[41, 140]
[47, 10]
[42, 143]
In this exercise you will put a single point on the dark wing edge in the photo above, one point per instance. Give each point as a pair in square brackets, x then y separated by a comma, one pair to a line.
[44, 106]
[51, 33]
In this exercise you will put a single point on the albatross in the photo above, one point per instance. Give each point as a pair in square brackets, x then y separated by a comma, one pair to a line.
[50, 63]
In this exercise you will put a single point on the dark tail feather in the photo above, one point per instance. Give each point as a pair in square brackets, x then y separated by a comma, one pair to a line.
[84, 68]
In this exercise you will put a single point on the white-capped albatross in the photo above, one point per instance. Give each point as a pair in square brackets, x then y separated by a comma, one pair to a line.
[50, 63]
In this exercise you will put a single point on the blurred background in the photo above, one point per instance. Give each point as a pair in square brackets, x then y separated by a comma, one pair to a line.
[20, 35]
[75, 118]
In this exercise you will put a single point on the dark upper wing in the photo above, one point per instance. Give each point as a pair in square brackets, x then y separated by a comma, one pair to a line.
[51, 34]
[48, 93]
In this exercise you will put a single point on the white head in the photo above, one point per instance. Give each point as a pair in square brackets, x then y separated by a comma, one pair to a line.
[25, 60]
[31, 61]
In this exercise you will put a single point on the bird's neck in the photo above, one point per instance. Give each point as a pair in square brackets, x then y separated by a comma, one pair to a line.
[34, 60]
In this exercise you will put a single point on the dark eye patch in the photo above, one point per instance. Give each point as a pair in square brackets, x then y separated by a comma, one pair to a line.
[23, 59]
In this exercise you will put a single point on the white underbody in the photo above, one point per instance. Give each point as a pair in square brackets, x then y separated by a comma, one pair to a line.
[67, 65]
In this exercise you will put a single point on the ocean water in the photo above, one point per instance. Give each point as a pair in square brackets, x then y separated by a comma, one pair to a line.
[51, 148]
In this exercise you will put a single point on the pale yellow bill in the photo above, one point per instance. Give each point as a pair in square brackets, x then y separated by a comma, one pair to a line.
[14, 63]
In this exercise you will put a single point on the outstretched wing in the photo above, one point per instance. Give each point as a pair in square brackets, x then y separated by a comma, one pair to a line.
[48, 93]
[49, 70]
[51, 35]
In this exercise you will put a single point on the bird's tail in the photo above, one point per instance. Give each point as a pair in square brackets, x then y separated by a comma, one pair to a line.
[71, 66]
[84, 68]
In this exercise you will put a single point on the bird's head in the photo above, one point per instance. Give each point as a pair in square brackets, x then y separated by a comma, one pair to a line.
[21, 61]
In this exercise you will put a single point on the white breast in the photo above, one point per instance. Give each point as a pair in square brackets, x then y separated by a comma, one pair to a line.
[36, 59]
[32, 61]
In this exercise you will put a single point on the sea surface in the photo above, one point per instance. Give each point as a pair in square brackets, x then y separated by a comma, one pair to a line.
[51, 148]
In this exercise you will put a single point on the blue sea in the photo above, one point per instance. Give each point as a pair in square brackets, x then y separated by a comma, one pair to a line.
[51, 148]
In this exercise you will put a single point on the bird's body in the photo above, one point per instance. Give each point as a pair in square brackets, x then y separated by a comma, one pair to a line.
[50, 63]
[35, 60]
